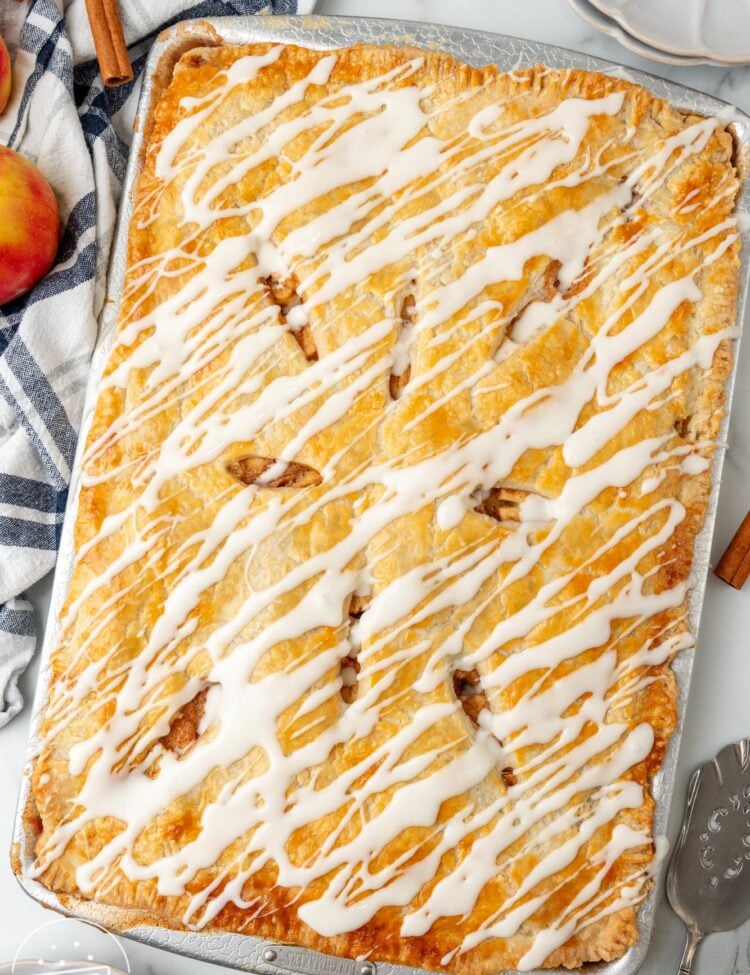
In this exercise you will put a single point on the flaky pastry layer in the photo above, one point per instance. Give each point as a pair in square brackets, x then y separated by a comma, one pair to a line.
[388, 508]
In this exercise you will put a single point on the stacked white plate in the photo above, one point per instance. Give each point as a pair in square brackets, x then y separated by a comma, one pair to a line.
[675, 31]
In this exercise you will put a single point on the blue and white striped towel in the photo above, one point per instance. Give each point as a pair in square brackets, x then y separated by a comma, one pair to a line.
[77, 132]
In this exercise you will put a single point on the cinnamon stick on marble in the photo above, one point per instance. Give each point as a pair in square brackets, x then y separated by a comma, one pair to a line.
[734, 565]
[109, 42]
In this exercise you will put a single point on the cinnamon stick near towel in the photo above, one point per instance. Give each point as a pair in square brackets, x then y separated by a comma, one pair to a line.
[734, 565]
[109, 42]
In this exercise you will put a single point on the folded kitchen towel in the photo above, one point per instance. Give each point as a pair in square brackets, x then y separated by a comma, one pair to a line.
[77, 132]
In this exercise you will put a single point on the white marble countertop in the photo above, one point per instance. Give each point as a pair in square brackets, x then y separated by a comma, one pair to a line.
[718, 711]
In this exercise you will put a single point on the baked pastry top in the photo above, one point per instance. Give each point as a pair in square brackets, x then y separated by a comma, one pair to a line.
[387, 508]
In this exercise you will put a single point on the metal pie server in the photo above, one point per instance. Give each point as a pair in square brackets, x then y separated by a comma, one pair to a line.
[708, 883]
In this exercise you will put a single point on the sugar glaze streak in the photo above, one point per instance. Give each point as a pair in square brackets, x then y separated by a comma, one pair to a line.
[214, 354]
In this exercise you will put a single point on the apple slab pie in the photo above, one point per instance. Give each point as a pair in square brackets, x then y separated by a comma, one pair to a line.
[387, 508]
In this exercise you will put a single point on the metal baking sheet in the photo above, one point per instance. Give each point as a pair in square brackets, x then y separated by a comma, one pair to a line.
[323, 33]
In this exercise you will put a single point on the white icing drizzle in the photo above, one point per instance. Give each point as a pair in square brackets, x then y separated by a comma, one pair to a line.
[570, 742]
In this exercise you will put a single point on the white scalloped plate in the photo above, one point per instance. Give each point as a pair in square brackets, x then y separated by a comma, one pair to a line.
[715, 29]
[605, 25]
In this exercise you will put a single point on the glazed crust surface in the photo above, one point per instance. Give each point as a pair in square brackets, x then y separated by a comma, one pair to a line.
[388, 508]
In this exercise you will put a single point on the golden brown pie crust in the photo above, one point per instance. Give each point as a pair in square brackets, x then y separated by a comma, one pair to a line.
[107, 627]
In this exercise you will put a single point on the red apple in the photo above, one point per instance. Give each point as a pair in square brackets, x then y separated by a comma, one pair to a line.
[29, 225]
[5, 78]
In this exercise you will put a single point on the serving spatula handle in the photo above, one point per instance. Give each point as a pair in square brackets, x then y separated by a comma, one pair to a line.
[694, 938]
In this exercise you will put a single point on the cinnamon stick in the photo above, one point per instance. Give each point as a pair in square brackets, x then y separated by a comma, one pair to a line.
[734, 565]
[109, 42]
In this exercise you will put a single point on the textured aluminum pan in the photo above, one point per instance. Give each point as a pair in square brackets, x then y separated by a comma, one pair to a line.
[476, 47]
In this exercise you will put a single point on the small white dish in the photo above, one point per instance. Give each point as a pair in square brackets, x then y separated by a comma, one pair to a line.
[39, 967]
[595, 18]
[718, 30]
[65, 945]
